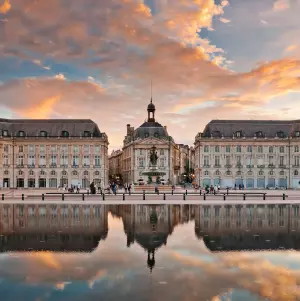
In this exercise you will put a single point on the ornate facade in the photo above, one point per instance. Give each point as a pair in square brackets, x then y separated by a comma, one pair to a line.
[256, 154]
[137, 147]
[52, 153]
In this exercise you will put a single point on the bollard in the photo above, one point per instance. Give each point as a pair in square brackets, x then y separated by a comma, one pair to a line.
[43, 197]
[144, 196]
[123, 196]
[204, 197]
[22, 196]
[186, 192]
[214, 192]
[143, 191]
[224, 197]
[83, 196]
[164, 196]
[103, 196]
[283, 196]
[157, 191]
[200, 191]
[88, 192]
[2, 196]
[184, 195]
[227, 191]
[244, 196]
[172, 191]
[264, 197]
[62, 196]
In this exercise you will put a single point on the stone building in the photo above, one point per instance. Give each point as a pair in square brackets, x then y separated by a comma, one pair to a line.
[149, 138]
[51, 153]
[115, 164]
[253, 153]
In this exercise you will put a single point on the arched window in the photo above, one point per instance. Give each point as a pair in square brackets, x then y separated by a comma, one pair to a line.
[53, 173]
[5, 133]
[217, 149]
[97, 173]
[64, 173]
[156, 135]
[20, 173]
[249, 149]
[85, 173]
[228, 173]
[42, 173]
[297, 134]
[296, 173]
[31, 173]
[21, 134]
[250, 173]
[260, 149]
[217, 173]
[64, 134]
[74, 173]
[281, 173]
[6, 172]
[271, 173]
[280, 134]
[238, 134]
[281, 149]
[146, 135]
[261, 173]
[206, 173]
[238, 173]
[271, 149]
[227, 149]
[238, 149]
[296, 149]
[206, 148]
[43, 134]
[259, 134]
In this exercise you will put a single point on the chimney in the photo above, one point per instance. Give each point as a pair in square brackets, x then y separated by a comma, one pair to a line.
[128, 129]
[165, 127]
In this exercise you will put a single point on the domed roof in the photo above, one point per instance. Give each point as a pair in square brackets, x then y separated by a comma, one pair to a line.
[150, 129]
[151, 241]
[151, 106]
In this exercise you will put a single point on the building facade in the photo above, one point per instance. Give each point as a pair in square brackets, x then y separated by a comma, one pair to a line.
[138, 145]
[115, 165]
[252, 153]
[52, 153]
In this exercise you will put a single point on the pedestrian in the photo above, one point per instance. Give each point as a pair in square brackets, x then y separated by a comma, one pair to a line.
[129, 188]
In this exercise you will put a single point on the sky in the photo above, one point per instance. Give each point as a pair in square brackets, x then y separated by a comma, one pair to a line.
[234, 59]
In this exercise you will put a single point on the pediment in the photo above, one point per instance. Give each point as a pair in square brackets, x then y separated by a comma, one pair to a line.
[153, 141]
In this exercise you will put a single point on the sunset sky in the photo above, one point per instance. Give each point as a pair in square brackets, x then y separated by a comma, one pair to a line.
[236, 59]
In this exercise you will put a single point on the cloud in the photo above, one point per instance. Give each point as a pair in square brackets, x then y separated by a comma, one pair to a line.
[223, 20]
[281, 5]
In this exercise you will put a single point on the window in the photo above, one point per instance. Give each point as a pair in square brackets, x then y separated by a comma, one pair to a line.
[161, 152]
[296, 150]
[162, 162]
[31, 148]
[20, 173]
[297, 161]
[21, 149]
[249, 149]
[64, 134]
[85, 173]
[53, 148]
[86, 160]
[227, 149]
[21, 134]
[281, 149]
[64, 148]
[297, 134]
[53, 173]
[260, 173]
[141, 162]
[217, 149]
[97, 173]
[141, 152]
[42, 148]
[259, 134]
[271, 149]
[206, 149]
[43, 134]
[281, 160]
[156, 135]
[53, 159]
[86, 148]
[75, 149]
[75, 160]
[5, 133]
[20, 161]
[42, 160]
[87, 134]
[42, 173]
[206, 173]
[280, 134]
[238, 173]
[31, 160]
[97, 148]
[64, 160]
[296, 173]
[5, 148]
[260, 149]
[97, 161]
[5, 162]
[74, 173]
[238, 134]
[217, 160]
[64, 173]
[206, 161]
[218, 173]
[227, 160]
[271, 173]
[238, 149]
[281, 173]
[228, 172]
[271, 160]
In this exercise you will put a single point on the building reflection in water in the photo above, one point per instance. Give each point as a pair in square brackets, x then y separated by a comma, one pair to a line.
[70, 228]
[248, 227]
[150, 225]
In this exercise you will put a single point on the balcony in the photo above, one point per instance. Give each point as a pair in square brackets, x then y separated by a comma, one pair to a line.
[260, 166]
[97, 166]
[30, 166]
[86, 165]
[271, 166]
[250, 166]
[42, 166]
[206, 166]
[282, 166]
[296, 166]
[141, 167]
[20, 165]
[75, 166]
[239, 165]
[53, 165]
[217, 166]
[64, 165]
[6, 165]
[228, 165]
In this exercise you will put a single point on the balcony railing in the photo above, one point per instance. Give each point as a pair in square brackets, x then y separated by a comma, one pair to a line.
[260, 166]
[97, 166]
[42, 166]
[20, 165]
[282, 166]
[206, 166]
[228, 165]
[239, 166]
[271, 165]
[296, 166]
[86, 165]
[6, 165]
[53, 165]
[75, 166]
[250, 166]
[31, 165]
[217, 166]
[64, 165]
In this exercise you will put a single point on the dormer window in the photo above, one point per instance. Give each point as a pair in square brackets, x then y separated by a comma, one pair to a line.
[64, 134]
[217, 134]
[259, 134]
[146, 135]
[297, 134]
[238, 134]
[21, 134]
[280, 134]
[87, 134]
[5, 133]
[156, 135]
[43, 134]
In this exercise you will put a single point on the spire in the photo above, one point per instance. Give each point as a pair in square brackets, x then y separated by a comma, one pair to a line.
[151, 108]
[151, 91]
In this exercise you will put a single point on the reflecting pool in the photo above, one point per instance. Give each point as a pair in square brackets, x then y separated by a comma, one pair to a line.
[149, 252]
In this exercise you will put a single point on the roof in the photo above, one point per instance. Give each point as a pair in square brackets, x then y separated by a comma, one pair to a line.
[250, 128]
[53, 127]
[148, 129]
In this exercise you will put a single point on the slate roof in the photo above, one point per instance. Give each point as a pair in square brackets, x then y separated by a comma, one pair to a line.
[53, 127]
[249, 128]
[148, 129]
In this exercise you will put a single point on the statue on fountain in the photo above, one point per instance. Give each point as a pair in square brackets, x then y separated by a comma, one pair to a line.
[153, 156]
